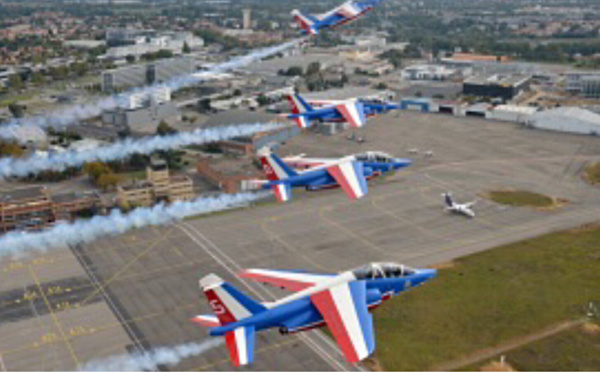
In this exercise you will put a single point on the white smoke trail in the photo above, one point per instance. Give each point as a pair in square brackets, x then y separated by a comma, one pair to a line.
[73, 114]
[17, 167]
[18, 243]
[151, 360]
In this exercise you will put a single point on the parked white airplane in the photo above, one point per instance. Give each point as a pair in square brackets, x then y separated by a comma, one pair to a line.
[464, 209]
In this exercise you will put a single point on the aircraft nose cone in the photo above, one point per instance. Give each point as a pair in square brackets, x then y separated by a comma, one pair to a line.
[401, 163]
[428, 273]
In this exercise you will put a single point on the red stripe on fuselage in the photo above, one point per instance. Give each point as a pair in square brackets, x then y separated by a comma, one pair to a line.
[286, 283]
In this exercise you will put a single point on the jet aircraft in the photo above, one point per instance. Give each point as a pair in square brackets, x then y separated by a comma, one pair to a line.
[341, 301]
[347, 12]
[353, 111]
[378, 161]
[452, 206]
[350, 173]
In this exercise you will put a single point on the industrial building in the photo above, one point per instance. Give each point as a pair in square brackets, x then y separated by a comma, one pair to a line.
[567, 119]
[585, 84]
[141, 112]
[150, 73]
[34, 208]
[496, 86]
[429, 72]
[158, 186]
[139, 42]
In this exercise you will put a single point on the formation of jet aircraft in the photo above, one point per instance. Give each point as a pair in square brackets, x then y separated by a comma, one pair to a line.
[347, 12]
[350, 173]
[353, 111]
[464, 209]
[340, 301]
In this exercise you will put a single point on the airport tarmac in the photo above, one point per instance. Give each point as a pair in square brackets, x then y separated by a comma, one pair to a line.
[149, 278]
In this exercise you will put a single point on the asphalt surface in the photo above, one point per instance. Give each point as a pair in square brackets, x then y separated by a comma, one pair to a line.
[148, 279]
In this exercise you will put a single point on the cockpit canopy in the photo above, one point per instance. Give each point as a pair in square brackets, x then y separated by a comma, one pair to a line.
[379, 270]
[375, 157]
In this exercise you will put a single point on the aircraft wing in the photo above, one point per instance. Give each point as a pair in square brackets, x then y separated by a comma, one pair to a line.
[353, 112]
[350, 176]
[286, 279]
[344, 309]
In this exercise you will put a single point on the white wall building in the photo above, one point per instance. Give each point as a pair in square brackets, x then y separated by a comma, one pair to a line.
[567, 119]
[512, 113]
[428, 72]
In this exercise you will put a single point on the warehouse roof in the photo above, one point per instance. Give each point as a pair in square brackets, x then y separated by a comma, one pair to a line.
[23, 193]
[568, 113]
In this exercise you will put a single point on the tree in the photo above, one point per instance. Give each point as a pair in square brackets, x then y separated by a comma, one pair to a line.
[381, 86]
[108, 181]
[37, 78]
[130, 58]
[15, 82]
[16, 110]
[262, 100]
[164, 129]
[96, 169]
[186, 48]
[313, 68]
[10, 149]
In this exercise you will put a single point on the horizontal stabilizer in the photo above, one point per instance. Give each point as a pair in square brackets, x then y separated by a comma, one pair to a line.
[240, 343]
[206, 320]
[283, 192]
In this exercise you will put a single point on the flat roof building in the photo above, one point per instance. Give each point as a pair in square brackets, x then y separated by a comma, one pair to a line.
[158, 186]
[34, 208]
[497, 86]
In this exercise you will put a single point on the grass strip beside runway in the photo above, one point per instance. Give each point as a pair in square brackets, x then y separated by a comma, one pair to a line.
[487, 299]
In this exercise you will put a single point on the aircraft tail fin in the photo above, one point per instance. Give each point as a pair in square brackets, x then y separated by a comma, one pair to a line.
[275, 168]
[306, 22]
[240, 343]
[448, 199]
[298, 104]
[228, 303]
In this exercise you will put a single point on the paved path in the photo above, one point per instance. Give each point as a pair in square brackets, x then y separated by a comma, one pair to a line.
[504, 347]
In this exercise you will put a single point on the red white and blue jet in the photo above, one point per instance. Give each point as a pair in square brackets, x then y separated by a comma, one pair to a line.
[347, 12]
[341, 301]
[353, 111]
[350, 173]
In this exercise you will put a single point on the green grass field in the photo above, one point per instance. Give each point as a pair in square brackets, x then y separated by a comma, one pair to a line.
[492, 297]
[571, 350]
[592, 173]
[521, 198]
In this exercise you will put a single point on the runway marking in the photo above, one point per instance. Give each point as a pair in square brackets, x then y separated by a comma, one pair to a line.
[309, 342]
[99, 329]
[348, 231]
[286, 245]
[127, 266]
[405, 220]
[55, 318]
